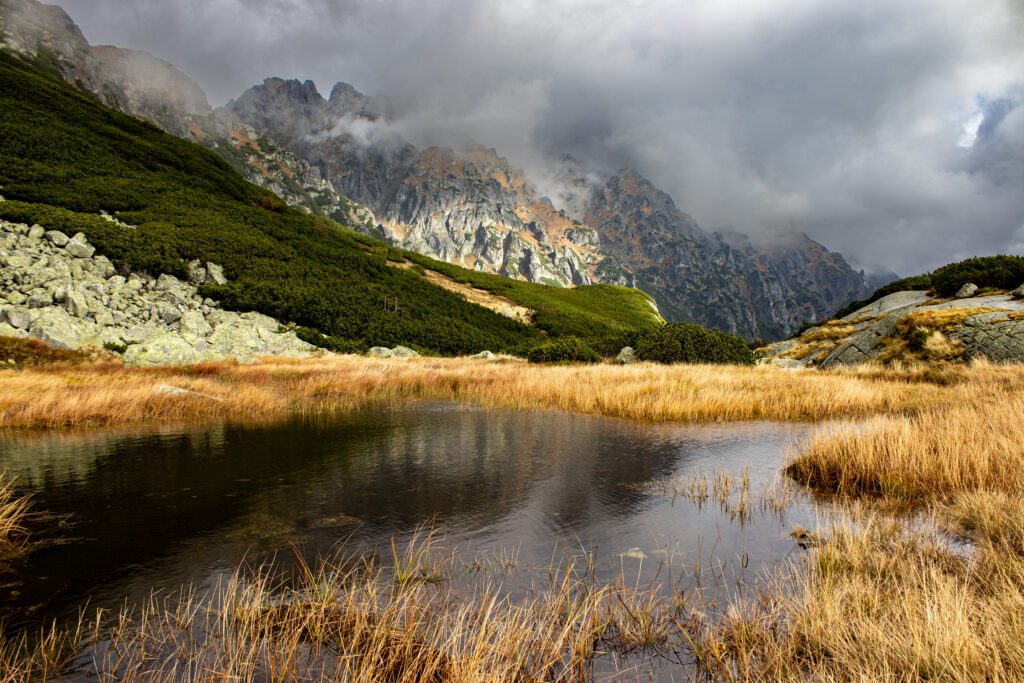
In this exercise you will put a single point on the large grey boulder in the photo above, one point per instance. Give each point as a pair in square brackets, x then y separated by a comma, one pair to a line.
[168, 348]
[79, 247]
[18, 317]
[57, 238]
[483, 355]
[193, 322]
[16, 261]
[59, 329]
[76, 303]
[1018, 293]
[403, 352]
[967, 291]
[627, 356]
[380, 352]
[8, 331]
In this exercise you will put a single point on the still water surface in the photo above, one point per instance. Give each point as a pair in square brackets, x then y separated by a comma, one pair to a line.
[158, 508]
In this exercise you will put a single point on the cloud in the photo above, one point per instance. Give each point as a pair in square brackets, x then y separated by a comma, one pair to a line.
[845, 119]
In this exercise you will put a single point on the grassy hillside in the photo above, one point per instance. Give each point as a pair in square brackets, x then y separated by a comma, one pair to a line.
[64, 157]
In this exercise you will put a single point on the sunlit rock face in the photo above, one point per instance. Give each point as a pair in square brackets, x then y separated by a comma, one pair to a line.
[465, 206]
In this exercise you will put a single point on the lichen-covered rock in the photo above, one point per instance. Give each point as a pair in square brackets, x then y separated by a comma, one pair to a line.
[57, 238]
[380, 352]
[968, 290]
[59, 329]
[155, 319]
[403, 352]
[483, 355]
[626, 356]
[168, 348]
[18, 317]
[193, 322]
[79, 247]
[1018, 293]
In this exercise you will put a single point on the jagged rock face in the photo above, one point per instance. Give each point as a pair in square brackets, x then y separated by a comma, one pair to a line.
[469, 208]
[715, 280]
[130, 81]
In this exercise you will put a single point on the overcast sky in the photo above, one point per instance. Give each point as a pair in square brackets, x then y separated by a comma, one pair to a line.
[856, 121]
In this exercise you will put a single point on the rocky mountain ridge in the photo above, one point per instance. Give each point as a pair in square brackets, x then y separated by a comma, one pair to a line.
[342, 157]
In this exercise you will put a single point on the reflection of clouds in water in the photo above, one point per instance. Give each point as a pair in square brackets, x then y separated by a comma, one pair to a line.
[162, 507]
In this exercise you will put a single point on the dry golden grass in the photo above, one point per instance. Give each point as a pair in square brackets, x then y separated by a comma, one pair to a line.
[342, 623]
[939, 320]
[110, 394]
[960, 448]
[878, 603]
[13, 510]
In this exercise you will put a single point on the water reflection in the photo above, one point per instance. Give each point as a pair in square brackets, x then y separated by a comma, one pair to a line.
[158, 508]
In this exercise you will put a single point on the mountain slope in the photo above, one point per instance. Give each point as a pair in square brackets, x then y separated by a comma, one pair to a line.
[64, 158]
[343, 157]
[467, 207]
[716, 280]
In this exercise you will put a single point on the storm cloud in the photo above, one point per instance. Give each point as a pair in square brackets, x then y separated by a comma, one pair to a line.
[890, 130]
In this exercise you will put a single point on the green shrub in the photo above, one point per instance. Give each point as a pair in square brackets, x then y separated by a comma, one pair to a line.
[988, 272]
[563, 350]
[689, 343]
[996, 272]
[907, 284]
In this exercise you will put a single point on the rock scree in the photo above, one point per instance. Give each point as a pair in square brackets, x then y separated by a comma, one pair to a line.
[56, 289]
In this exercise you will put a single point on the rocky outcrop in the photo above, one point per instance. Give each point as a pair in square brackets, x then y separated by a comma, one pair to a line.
[912, 326]
[54, 288]
[722, 281]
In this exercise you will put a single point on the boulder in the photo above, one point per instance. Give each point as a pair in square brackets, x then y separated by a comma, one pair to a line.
[215, 274]
[380, 352]
[138, 334]
[76, 304]
[403, 352]
[626, 356]
[193, 322]
[79, 247]
[483, 355]
[60, 330]
[967, 291]
[169, 313]
[196, 272]
[57, 238]
[40, 299]
[36, 231]
[8, 331]
[1018, 293]
[167, 283]
[16, 261]
[261, 321]
[169, 348]
[18, 317]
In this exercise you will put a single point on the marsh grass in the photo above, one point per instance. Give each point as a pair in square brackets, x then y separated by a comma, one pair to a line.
[112, 394]
[355, 621]
[14, 511]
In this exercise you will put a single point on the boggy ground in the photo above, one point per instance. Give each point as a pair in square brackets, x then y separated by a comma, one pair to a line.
[920, 577]
[83, 393]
